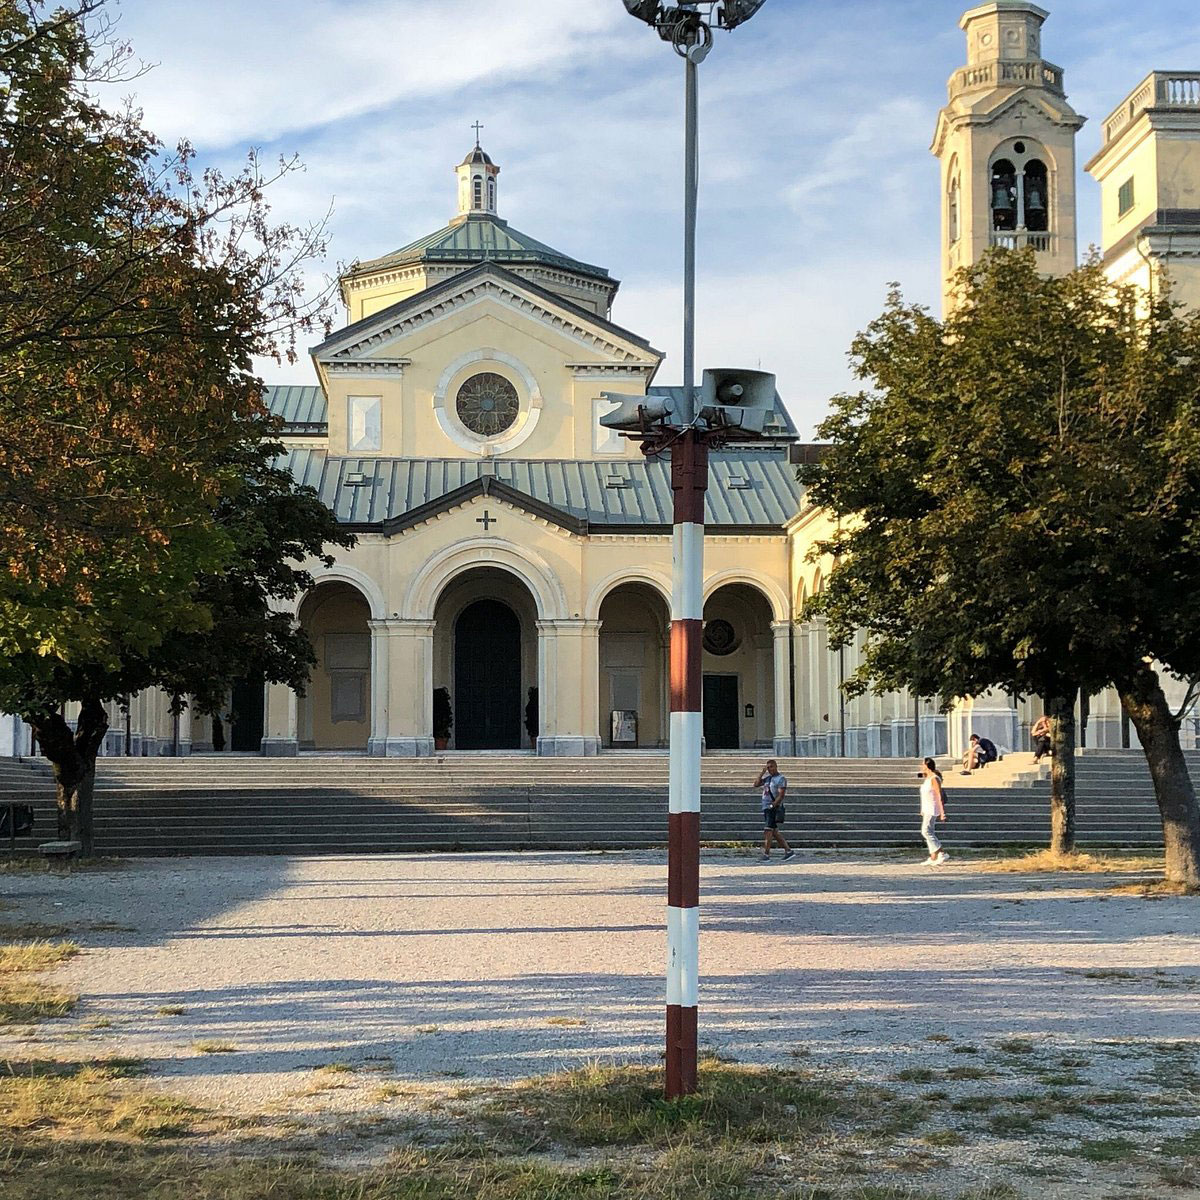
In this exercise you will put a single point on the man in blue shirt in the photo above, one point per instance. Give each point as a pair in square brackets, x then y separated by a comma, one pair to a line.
[774, 789]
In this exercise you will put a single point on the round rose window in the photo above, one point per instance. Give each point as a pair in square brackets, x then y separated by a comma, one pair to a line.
[487, 404]
[720, 637]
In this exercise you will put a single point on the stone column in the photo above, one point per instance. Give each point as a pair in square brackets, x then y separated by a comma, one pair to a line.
[824, 722]
[281, 737]
[784, 744]
[408, 710]
[380, 692]
[569, 688]
[991, 715]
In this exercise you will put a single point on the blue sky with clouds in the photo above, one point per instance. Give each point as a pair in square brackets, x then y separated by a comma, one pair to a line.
[817, 186]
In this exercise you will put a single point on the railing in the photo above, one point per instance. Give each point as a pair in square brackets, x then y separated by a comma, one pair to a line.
[1160, 89]
[1007, 74]
[1018, 239]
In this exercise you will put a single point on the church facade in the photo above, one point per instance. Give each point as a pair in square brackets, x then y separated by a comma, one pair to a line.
[513, 562]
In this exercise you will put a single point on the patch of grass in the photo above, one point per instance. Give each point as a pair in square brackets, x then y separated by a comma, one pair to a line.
[944, 1137]
[429, 1029]
[1090, 864]
[37, 865]
[213, 1046]
[975, 1103]
[915, 1075]
[1153, 890]
[1107, 1150]
[624, 1106]
[110, 927]
[1010, 1122]
[565, 1021]
[86, 1099]
[964, 1049]
[31, 931]
[98, 1023]
[1016, 1045]
[939, 1037]
[1109, 973]
[170, 1010]
[24, 1001]
[1187, 1145]
[970, 1073]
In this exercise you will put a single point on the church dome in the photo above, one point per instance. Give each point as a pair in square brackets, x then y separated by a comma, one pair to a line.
[478, 235]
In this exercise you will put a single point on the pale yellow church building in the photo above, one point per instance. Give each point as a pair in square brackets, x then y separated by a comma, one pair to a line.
[514, 555]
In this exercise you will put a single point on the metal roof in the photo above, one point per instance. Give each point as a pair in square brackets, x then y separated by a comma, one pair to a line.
[304, 409]
[747, 488]
[480, 237]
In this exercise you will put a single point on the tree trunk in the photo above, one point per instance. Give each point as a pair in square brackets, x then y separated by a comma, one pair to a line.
[1061, 711]
[73, 757]
[1142, 697]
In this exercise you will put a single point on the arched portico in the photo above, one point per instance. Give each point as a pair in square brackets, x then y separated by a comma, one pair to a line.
[335, 711]
[635, 621]
[746, 668]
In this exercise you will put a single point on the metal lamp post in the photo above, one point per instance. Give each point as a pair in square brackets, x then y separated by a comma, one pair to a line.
[688, 433]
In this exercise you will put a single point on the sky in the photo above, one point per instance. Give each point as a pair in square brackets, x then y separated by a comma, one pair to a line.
[817, 187]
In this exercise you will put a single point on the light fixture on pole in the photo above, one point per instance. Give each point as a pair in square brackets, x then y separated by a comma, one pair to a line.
[732, 403]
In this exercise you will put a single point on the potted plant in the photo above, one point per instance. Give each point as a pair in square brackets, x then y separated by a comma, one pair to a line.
[443, 718]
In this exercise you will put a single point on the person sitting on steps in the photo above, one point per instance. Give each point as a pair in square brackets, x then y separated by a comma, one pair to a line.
[980, 752]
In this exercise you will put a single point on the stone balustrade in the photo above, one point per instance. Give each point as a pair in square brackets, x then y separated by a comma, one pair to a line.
[1018, 239]
[1160, 89]
[1007, 74]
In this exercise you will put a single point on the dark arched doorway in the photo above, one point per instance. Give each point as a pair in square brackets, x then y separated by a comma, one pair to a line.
[487, 677]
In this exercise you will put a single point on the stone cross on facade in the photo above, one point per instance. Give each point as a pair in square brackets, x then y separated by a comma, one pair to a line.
[487, 520]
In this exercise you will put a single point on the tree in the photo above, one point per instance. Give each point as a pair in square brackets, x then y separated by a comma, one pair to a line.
[133, 297]
[1017, 490]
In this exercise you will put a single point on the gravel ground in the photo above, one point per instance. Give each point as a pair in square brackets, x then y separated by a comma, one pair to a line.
[492, 966]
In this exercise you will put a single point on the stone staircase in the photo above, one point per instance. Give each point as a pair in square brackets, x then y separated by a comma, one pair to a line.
[231, 804]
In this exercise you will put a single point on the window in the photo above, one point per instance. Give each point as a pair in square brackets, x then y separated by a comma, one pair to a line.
[347, 662]
[487, 404]
[1125, 198]
[478, 192]
[952, 213]
[364, 425]
[491, 195]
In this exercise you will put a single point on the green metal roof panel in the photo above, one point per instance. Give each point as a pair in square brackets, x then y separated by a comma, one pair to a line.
[302, 406]
[480, 238]
[747, 487]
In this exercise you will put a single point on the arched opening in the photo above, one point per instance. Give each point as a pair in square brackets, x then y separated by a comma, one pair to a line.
[478, 192]
[952, 212]
[485, 653]
[739, 683]
[491, 195]
[634, 643]
[1037, 197]
[335, 712]
[1004, 196]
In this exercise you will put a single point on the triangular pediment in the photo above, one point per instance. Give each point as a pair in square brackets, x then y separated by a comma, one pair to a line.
[483, 488]
[373, 339]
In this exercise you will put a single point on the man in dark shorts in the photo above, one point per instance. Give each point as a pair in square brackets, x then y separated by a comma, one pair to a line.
[774, 789]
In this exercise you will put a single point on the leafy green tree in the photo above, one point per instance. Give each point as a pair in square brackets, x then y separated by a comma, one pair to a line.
[134, 295]
[1018, 487]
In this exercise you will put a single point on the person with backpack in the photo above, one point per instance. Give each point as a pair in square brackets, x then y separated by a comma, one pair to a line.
[933, 809]
[774, 789]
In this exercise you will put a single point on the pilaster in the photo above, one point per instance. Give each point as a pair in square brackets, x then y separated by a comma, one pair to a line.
[569, 688]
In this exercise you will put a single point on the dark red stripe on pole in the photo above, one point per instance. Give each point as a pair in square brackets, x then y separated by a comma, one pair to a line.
[683, 867]
[689, 477]
[681, 1050]
[687, 638]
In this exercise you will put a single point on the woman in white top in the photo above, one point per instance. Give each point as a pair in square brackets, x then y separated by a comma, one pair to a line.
[932, 810]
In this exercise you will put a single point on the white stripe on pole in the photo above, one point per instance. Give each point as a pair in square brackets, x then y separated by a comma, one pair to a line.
[675, 955]
[687, 599]
[687, 729]
[689, 961]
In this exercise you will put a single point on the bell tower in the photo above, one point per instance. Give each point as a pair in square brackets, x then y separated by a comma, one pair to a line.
[1006, 143]
[476, 182]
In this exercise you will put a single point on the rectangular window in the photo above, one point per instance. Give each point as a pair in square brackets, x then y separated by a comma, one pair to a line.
[1125, 198]
[364, 424]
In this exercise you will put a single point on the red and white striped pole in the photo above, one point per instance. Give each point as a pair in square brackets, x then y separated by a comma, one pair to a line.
[689, 480]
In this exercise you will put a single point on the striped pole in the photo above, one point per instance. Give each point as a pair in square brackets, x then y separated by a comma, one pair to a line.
[689, 480]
